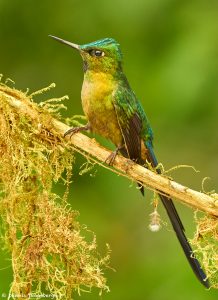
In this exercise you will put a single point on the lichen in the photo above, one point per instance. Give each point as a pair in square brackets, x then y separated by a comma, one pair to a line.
[205, 243]
[49, 253]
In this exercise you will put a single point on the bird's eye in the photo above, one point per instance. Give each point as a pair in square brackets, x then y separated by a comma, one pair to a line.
[97, 53]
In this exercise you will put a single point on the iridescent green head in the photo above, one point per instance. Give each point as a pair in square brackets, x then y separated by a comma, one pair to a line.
[99, 56]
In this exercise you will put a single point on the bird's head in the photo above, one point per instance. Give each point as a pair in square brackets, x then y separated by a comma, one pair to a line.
[100, 56]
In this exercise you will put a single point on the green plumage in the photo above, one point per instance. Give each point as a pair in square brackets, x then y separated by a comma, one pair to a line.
[114, 112]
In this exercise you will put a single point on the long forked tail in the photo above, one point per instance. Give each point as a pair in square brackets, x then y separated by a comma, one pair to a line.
[178, 228]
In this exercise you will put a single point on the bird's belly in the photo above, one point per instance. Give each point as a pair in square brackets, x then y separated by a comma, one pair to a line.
[98, 108]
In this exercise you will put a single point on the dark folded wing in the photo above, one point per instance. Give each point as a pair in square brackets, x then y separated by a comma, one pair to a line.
[129, 121]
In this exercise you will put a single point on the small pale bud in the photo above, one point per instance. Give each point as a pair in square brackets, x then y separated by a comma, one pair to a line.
[154, 225]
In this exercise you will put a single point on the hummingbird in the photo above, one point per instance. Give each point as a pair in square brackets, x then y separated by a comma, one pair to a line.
[114, 112]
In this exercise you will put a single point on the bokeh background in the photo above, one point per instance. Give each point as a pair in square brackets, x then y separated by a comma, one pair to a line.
[170, 58]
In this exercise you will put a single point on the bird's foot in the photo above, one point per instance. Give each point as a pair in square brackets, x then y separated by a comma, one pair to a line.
[111, 158]
[74, 130]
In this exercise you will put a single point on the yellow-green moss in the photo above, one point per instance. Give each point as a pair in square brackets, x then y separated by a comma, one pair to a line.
[205, 242]
[41, 231]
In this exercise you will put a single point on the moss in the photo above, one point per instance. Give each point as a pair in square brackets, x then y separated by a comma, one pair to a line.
[39, 228]
[205, 242]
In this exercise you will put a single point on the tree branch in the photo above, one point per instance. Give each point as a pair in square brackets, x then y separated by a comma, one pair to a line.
[89, 147]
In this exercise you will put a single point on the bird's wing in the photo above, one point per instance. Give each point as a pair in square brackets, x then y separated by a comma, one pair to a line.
[130, 121]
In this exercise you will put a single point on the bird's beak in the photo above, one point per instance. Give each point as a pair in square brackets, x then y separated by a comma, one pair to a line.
[75, 46]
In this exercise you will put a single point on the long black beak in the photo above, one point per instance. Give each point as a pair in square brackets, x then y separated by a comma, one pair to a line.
[75, 46]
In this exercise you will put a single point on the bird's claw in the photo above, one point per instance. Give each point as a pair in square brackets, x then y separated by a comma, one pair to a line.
[74, 130]
[110, 159]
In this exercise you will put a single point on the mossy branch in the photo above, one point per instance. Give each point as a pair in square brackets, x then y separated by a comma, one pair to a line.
[125, 167]
[49, 253]
[148, 178]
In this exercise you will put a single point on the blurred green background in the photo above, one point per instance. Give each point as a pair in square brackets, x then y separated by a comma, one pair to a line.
[170, 58]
